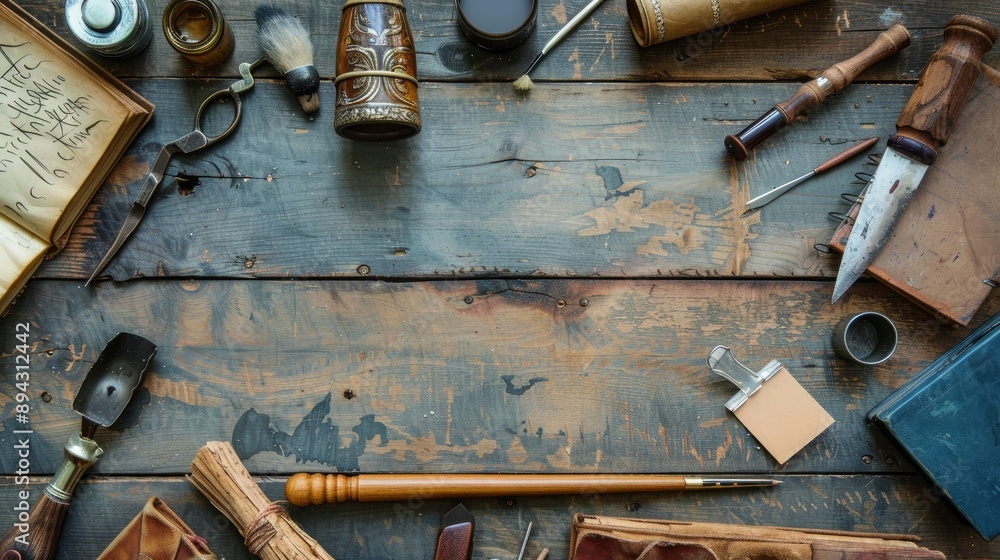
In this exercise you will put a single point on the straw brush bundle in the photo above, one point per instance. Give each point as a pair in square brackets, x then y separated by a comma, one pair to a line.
[287, 47]
[266, 528]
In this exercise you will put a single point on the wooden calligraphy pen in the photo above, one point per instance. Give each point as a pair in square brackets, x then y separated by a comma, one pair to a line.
[304, 489]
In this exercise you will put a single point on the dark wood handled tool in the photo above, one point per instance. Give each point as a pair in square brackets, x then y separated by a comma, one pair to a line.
[811, 94]
[922, 127]
[940, 95]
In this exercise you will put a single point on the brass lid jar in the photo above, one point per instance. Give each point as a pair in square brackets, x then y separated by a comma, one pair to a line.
[197, 30]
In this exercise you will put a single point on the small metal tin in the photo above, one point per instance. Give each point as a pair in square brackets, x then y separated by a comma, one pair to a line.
[197, 30]
[497, 25]
[114, 28]
[867, 338]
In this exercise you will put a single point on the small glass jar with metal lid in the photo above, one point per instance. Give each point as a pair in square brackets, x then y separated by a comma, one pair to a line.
[197, 30]
[115, 28]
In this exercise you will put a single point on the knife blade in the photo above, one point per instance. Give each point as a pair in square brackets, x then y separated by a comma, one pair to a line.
[922, 127]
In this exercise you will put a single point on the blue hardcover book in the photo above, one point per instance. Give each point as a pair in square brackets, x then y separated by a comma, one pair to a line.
[947, 419]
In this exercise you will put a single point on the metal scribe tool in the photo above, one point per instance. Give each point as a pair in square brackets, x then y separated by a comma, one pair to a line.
[771, 404]
[922, 127]
[836, 160]
[524, 544]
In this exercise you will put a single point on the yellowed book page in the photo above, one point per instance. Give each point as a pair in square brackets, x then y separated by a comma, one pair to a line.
[56, 121]
[20, 254]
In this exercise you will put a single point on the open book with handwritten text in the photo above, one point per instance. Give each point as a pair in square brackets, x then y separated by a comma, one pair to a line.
[64, 123]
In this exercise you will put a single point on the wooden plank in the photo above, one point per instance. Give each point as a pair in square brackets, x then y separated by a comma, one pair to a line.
[787, 44]
[888, 504]
[495, 375]
[495, 185]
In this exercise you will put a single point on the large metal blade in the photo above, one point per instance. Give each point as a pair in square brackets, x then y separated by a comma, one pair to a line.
[891, 189]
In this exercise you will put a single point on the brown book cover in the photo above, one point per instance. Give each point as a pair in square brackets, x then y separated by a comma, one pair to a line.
[66, 122]
[944, 253]
[595, 537]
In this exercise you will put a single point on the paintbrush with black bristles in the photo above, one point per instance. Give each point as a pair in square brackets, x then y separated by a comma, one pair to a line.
[287, 47]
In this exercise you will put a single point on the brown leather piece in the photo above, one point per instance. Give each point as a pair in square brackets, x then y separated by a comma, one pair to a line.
[157, 533]
[610, 538]
[455, 542]
[594, 546]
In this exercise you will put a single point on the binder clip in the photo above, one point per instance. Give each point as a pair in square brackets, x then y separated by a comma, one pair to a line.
[771, 404]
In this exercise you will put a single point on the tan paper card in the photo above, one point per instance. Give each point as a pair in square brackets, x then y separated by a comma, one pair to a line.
[772, 405]
[783, 416]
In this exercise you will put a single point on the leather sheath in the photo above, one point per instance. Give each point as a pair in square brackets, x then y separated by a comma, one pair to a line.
[611, 538]
[157, 533]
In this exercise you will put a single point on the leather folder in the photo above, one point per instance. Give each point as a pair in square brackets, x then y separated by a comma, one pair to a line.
[614, 538]
[947, 420]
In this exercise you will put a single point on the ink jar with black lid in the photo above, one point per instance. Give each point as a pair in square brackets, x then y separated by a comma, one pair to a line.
[497, 25]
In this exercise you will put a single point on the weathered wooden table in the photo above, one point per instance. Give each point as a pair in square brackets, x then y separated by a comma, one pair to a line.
[531, 284]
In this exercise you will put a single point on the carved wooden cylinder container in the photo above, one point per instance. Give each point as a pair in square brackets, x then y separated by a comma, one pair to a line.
[376, 72]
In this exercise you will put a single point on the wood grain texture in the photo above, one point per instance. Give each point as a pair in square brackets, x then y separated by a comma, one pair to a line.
[792, 44]
[410, 377]
[496, 185]
[408, 529]
[532, 284]
[944, 87]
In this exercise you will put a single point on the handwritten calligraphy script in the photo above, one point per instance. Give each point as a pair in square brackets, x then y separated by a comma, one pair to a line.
[50, 129]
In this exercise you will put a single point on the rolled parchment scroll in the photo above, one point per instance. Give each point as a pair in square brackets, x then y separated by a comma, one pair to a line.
[656, 21]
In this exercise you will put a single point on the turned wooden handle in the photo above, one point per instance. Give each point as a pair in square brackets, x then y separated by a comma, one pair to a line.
[811, 94]
[840, 75]
[38, 536]
[931, 113]
[304, 489]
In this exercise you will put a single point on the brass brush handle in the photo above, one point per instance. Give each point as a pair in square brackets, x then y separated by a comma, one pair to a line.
[38, 537]
[944, 87]
[811, 94]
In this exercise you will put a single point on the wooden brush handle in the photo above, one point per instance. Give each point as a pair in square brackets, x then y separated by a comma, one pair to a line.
[39, 541]
[840, 75]
[931, 113]
[303, 489]
[845, 155]
[36, 535]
